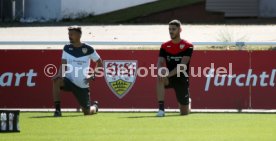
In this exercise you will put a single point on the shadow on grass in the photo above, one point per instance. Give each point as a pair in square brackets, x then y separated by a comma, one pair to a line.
[238, 113]
[2, 132]
[64, 116]
[152, 116]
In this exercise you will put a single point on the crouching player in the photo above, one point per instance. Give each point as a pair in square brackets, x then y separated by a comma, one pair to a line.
[76, 56]
[174, 54]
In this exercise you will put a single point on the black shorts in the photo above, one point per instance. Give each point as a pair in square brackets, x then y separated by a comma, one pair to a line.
[82, 94]
[181, 88]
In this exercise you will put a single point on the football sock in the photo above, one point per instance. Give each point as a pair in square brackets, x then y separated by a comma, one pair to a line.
[57, 105]
[161, 105]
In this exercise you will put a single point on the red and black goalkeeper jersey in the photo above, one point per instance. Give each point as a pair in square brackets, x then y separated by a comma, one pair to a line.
[173, 53]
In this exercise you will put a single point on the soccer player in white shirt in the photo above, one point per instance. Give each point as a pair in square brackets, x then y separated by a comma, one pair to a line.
[76, 56]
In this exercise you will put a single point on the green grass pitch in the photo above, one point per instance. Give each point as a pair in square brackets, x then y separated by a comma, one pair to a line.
[144, 127]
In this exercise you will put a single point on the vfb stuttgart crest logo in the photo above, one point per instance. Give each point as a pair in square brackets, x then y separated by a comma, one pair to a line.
[120, 75]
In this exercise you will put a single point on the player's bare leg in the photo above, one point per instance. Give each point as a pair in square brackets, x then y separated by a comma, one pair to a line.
[160, 90]
[161, 83]
[57, 83]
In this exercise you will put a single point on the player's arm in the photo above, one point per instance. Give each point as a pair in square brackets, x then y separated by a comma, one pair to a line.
[185, 60]
[98, 65]
[98, 61]
[160, 63]
[63, 63]
[60, 73]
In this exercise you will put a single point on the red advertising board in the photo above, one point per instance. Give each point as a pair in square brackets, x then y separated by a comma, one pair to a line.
[23, 83]
[206, 94]
[263, 96]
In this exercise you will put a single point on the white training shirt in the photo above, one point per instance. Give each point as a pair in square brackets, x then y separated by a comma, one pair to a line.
[78, 62]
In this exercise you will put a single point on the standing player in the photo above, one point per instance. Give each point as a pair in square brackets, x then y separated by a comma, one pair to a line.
[77, 56]
[173, 53]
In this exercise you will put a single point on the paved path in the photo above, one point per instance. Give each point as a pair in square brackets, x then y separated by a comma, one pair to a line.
[144, 33]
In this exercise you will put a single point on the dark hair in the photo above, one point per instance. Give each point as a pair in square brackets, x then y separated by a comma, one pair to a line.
[175, 22]
[75, 28]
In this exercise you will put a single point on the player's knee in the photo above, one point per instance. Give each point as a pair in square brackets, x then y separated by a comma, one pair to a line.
[183, 105]
[184, 110]
[184, 113]
[86, 112]
[57, 81]
[161, 83]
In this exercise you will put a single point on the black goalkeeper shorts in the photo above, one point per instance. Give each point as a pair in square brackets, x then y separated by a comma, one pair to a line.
[82, 94]
[181, 88]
